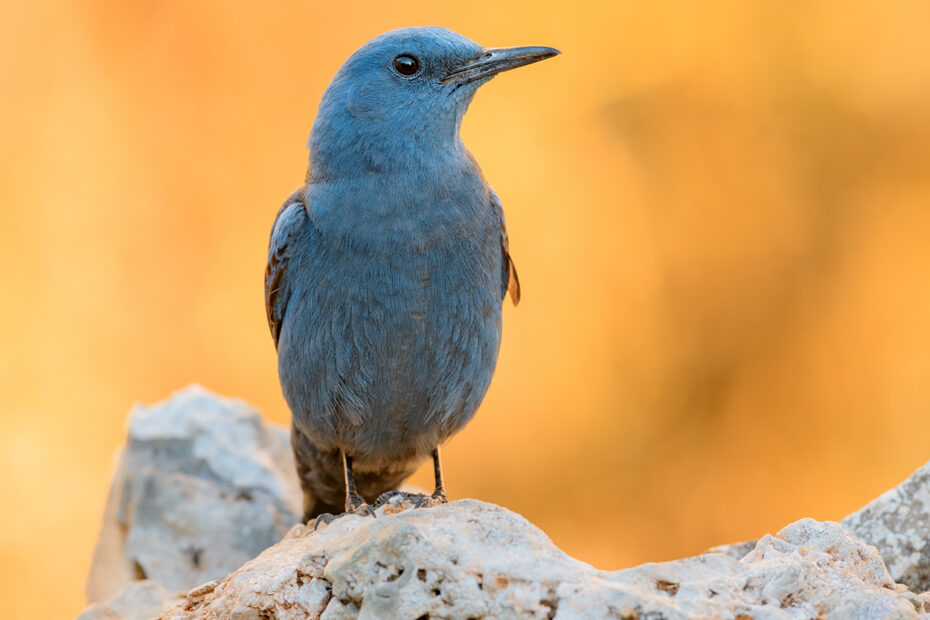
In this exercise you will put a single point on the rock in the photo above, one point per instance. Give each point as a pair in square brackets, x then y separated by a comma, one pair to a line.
[898, 524]
[202, 486]
[138, 600]
[468, 559]
[735, 550]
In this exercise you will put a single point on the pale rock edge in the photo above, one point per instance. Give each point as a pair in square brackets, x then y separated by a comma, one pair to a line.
[204, 484]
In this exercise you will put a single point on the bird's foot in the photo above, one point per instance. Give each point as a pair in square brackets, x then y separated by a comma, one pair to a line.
[324, 519]
[355, 505]
[428, 501]
[397, 501]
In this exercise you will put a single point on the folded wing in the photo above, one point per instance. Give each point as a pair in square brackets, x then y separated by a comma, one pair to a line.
[288, 223]
[509, 280]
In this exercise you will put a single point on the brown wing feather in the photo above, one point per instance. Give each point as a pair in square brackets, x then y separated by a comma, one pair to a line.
[283, 233]
[513, 284]
[511, 280]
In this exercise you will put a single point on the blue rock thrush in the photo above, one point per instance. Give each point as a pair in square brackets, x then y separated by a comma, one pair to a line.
[387, 269]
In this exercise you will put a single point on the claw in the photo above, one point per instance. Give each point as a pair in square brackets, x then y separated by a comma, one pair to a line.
[386, 498]
[355, 505]
[324, 519]
[361, 509]
[428, 501]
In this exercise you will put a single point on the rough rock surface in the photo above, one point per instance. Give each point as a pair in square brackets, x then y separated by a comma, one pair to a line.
[138, 600]
[898, 524]
[202, 486]
[468, 559]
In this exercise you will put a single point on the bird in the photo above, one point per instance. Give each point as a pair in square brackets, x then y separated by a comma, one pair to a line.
[388, 268]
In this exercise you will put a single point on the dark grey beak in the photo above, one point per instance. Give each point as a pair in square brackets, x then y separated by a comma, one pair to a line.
[493, 61]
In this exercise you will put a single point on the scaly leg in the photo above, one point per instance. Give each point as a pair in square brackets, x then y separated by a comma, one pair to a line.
[355, 503]
[439, 493]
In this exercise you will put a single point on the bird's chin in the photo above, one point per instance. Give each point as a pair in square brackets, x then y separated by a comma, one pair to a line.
[469, 87]
[477, 82]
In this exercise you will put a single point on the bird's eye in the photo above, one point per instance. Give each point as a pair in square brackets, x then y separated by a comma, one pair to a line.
[405, 64]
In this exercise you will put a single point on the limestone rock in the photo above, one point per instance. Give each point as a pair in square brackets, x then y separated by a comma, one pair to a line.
[468, 559]
[202, 486]
[735, 550]
[138, 600]
[898, 524]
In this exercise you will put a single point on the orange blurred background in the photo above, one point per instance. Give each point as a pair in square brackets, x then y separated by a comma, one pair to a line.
[720, 212]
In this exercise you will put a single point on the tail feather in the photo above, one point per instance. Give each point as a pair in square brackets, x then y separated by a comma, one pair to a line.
[322, 477]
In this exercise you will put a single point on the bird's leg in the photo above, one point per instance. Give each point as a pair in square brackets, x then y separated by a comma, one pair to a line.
[419, 500]
[355, 504]
[439, 493]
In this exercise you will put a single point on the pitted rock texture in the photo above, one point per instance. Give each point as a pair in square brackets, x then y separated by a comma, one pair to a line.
[468, 559]
[898, 524]
[202, 486]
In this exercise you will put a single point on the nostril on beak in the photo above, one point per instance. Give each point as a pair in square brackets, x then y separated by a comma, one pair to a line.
[492, 61]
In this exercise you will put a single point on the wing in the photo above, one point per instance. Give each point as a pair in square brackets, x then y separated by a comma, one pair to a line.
[287, 226]
[509, 280]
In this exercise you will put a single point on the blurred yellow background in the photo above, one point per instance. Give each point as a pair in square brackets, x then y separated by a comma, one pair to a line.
[720, 212]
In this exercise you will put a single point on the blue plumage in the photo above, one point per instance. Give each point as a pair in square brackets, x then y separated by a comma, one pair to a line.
[386, 270]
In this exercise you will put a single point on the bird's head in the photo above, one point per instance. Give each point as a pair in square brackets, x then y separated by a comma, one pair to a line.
[403, 94]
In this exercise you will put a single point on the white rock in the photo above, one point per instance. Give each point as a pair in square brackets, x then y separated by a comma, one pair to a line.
[468, 559]
[202, 486]
[898, 524]
[138, 600]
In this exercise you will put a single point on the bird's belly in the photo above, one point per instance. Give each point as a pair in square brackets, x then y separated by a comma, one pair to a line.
[396, 352]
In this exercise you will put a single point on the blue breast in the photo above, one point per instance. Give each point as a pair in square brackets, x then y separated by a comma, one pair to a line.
[392, 330]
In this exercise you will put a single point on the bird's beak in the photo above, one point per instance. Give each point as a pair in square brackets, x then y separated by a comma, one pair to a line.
[493, 61]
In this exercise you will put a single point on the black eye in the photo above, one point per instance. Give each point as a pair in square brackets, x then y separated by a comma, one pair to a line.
[405, 64]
